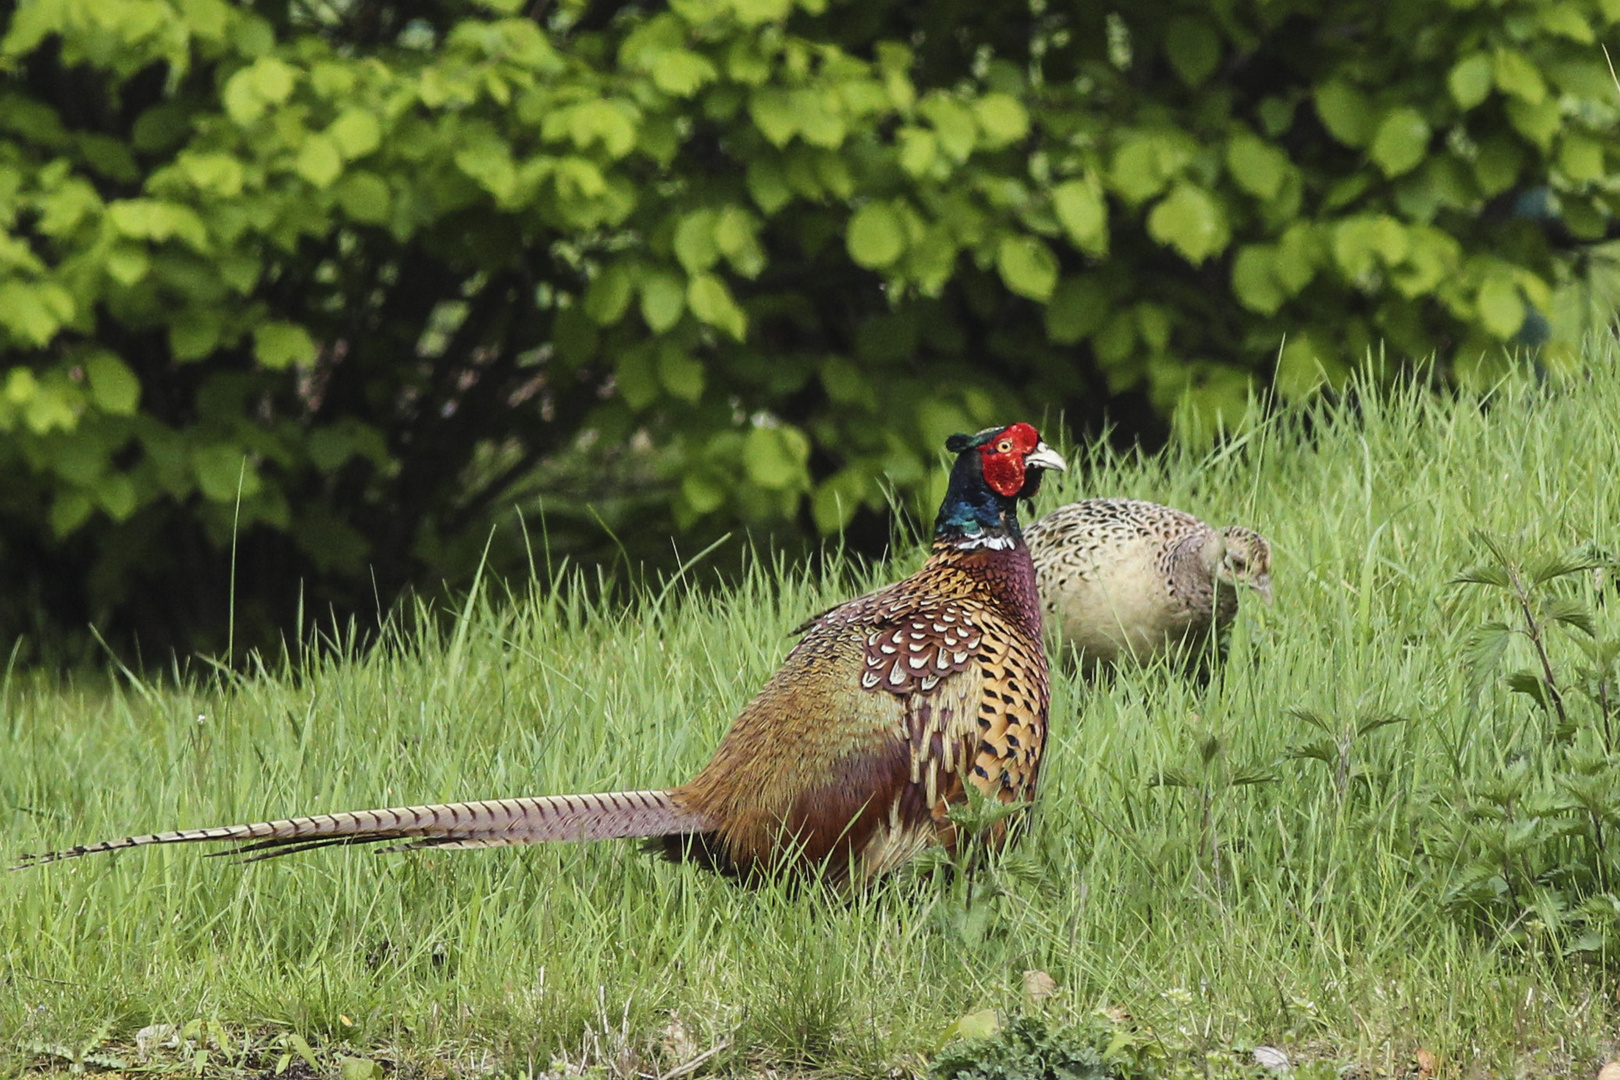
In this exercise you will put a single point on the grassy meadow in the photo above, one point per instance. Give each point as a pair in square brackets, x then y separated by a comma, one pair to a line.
[1312, 910]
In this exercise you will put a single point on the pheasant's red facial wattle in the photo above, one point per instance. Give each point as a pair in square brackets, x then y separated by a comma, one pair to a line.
[1003, 458]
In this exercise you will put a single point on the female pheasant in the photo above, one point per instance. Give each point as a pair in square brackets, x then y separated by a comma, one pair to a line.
[1126, 576]
[848, 760]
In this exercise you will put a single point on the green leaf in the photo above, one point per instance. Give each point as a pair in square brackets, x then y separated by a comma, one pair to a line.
[1297, 258]
[1539, 122]
[115, 493]
[755, 12]
[195, 332]
[365, 197]
[608, 295]
[216, 174]
[32, 314]
[777, 457]
[875, 239]
[953, 124]
[264, 83]
[767, 185]
[1154, 322]
[606, 122]
[919, 149]
[1316, 719]
[636, 376]
[711, 302]
[1253, 282]
[735, 233]
[1027, 266]
[1304, 364]
[1256, 166]
[359, 1068]
[1379, 720]
[837, 498]
[704, 494]
[975, 1025]
[681, 72]
[1144, 163]
[1566, 20]
[1083, 214]
[152, 219]
[1543, 570]
[772, 111]
[1361, 243]
[679, 373]
[1191, 222]
[1501, 309]
[1323, 750]
[1077, 308]
[1498, 164]
[1532, 686]
[847, 384]
[318, 161]
[1571, 612]
[280, 345]
[663, 299]
[1193, 48]
[1345, 112]
[1580, 157]
[222, 471]
[695, 245]
[1470, 80]
[1002, 119]
[1483, 654]
[113, 386]
[1518, 77]
[1485, 574]
[488, 160]
[1401, 141]
[355, 134]
[69, 510]
[1176, 776]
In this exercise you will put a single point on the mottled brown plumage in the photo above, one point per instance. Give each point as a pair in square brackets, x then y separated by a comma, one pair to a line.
[1124, 577]
[849, 758]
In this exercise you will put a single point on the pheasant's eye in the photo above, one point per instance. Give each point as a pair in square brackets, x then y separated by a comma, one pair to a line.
[1004, 446]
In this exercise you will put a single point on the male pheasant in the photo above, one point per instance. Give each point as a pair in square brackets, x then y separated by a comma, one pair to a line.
[887, 710]
[1123, 576]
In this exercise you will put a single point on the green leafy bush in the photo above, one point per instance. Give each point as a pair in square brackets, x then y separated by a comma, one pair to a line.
[1026, 1049]
[339, 285]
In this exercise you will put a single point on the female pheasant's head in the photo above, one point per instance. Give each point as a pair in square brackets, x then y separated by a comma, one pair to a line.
[994, 469]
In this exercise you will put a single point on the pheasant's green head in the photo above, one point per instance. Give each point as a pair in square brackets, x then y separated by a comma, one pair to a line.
[994, 469]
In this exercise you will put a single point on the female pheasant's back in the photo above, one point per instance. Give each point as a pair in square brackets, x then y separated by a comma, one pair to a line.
[1134, 578]
[851, 755]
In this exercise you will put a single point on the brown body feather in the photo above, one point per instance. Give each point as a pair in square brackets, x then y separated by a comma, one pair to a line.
[899, 699]
[848, 758]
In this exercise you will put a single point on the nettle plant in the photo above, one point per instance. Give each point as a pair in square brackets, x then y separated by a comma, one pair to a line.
[1208, 777]
[1532, 852]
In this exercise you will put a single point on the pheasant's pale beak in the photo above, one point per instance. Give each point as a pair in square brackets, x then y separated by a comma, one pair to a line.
[1262, 585]
[1044, 457]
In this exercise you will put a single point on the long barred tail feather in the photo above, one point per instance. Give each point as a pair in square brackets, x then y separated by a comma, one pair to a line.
[492, 823]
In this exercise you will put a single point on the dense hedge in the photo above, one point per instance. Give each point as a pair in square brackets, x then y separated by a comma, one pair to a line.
[345, 281]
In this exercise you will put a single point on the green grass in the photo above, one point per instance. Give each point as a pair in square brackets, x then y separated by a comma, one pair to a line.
[1318, 925]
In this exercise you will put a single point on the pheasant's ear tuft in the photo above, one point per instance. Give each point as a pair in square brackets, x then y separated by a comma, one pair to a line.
[959, 442]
